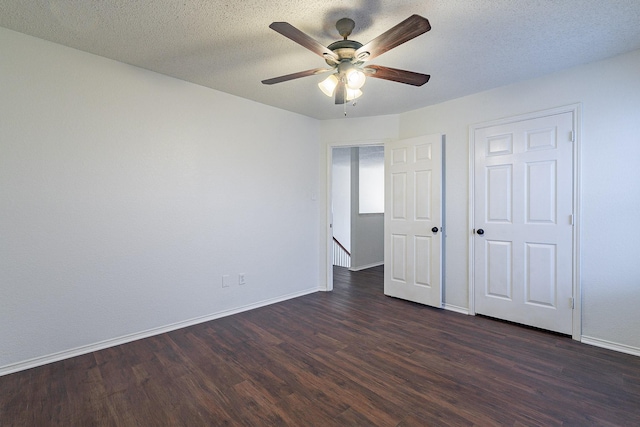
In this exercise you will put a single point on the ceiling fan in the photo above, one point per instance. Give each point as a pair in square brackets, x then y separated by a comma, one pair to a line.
[347, 58]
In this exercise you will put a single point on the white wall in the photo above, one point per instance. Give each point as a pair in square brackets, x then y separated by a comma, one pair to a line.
[610, 94]
[126, 195]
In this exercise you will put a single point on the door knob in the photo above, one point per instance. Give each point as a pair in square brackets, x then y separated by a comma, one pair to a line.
[480, 231]
[434, 229]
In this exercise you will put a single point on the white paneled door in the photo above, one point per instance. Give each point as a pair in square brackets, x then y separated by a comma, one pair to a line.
[413, 220]
[523, 221]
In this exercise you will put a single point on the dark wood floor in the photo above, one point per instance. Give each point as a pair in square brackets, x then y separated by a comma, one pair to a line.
[352, 357]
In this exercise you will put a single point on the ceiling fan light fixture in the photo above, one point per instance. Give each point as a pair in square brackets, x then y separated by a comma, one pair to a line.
[355, 78]
[328, 85]
[353, 94]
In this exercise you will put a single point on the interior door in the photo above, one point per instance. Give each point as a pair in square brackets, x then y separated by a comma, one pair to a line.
[523, 219]
[413, 220]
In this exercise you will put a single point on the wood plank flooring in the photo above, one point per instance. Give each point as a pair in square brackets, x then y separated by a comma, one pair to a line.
[352, 357]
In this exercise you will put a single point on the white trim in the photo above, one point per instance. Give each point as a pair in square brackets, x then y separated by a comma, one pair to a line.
[455, 308]
[576, 110]
[328, 267]
[364, 267]
[622, 348]
[470, 213]
[577, 217]
[78, 351]
[528, 116]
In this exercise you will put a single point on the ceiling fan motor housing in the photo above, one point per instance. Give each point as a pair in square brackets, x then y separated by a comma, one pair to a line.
[345, 49]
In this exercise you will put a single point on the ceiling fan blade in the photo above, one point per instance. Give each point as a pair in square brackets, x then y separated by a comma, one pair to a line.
[406, 30]
[393, 74]
[295, 76]
[302, 39]
[340, 93]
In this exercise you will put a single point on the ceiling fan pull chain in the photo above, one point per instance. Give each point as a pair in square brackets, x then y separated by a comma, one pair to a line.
[345, 100]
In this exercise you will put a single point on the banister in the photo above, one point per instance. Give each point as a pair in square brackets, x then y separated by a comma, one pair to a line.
[341, 247]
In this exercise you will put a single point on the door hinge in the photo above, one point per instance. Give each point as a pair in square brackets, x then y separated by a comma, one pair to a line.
[572, 136]
[571, 303]
[571, 219]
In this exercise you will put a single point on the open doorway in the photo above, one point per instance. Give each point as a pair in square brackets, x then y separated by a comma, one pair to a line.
[357, 206]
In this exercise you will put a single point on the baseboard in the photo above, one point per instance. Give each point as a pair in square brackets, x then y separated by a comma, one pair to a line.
[622, 348]
[364, 267]
[78, 351]
[457, 309]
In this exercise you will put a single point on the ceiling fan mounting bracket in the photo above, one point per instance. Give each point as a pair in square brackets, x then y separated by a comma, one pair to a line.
[345, 26]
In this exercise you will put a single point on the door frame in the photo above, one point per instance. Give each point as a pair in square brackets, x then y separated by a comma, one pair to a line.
[329, 197]
[576, 110]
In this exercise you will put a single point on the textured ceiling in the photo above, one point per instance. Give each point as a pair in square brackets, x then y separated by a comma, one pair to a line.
[227, 45]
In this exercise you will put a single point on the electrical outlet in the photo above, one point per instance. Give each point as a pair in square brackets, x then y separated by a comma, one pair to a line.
[226, 280]
[241, 279]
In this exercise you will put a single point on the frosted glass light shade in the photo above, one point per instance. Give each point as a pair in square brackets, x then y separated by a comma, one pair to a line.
[328, 85]
[353, 94]
[355, 79]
